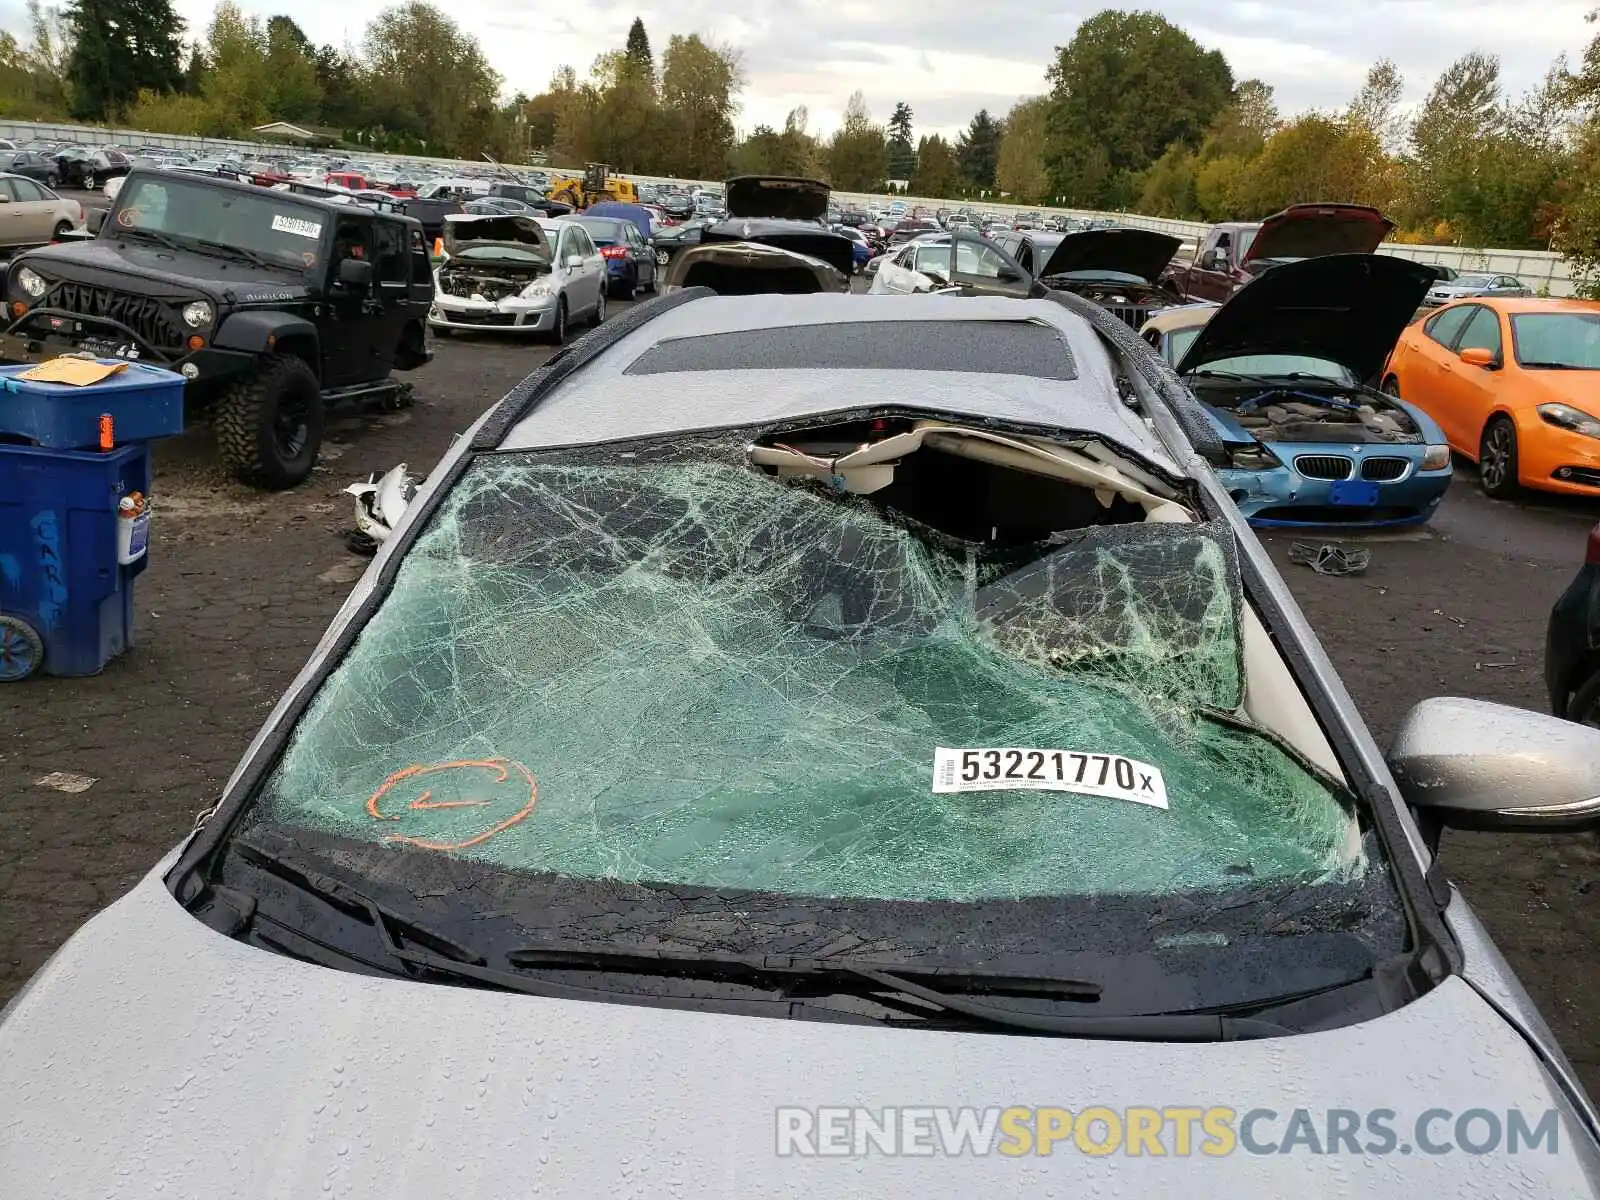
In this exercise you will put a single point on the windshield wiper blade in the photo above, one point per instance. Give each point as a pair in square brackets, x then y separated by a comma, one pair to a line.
[154, 235]
[744, 967]
[845, 978]
[243, 252]
[352, 900]
[1552, 366]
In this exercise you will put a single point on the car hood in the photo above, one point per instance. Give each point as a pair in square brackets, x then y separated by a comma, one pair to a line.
[801, 237]
[783, 196]
[1140, 252]
[1347, 308]
[152, 1055]
[152, 270]
[461, 231]
[1312, 230]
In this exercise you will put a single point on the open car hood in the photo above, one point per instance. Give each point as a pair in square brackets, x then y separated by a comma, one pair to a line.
[1313, 230]
[1140, 252]
[1347, 308]
[784, 197]
[461, 231]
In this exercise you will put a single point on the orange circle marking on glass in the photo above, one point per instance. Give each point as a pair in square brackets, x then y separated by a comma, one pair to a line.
[502, 769]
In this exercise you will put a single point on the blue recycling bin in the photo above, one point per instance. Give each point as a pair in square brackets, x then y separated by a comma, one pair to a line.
[66, 596]
[143, 402]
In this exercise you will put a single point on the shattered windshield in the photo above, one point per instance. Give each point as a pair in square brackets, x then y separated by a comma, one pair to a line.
[692, 672]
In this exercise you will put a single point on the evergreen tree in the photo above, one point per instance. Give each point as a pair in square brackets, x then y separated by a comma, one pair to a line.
[641, 63]
[119, 48]
[902, 155]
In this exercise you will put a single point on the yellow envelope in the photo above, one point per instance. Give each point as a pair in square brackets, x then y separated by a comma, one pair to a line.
[80, 372]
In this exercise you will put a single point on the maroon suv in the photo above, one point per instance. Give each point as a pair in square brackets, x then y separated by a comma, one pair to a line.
[1234, 253]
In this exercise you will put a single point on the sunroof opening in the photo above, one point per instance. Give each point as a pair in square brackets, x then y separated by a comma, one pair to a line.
[1030, 348]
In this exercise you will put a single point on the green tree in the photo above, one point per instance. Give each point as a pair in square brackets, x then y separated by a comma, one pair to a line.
[978, 150]
[789, 151]
[858, 155]
[700, 86]
[1317, 157]
[238, 86]
[641, 62]
[120, 47]
[1167, 187]
[430, 79]
[1377, 104]
[1219, 188]
[902, 156]
[938, 173]
[295, 89]
[1020, 168]
[1126, 87]
[345, 96]
[1243, 126]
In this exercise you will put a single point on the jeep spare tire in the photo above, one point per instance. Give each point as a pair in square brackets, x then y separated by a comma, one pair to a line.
[269, 426]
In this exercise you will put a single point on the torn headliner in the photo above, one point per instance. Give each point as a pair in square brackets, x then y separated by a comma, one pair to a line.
[601, 403]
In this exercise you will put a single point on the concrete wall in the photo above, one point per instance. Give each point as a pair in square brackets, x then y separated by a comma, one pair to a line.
[1537, 268]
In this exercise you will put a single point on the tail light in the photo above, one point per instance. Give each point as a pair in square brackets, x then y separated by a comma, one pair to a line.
[1591, 554]
[613, 252]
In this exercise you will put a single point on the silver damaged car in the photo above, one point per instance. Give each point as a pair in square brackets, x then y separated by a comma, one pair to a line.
[826, 746]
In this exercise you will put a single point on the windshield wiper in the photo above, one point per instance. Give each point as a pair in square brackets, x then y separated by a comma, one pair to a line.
[841, 977]
[441, 956]
[1552, 366]
[154, 235]
[242, 252]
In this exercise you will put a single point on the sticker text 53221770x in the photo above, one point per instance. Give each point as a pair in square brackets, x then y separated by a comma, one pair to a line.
[1011, 768]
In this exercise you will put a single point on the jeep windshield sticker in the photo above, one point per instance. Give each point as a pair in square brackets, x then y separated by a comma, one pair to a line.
[128, 218]
[294, 225]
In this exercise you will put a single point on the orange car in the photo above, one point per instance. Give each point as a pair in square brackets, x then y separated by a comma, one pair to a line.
[1514, 384]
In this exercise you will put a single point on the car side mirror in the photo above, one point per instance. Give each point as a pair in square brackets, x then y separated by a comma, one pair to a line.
[1477, 356]
[96, 218]
[355, 274]
[1211, 260]
[1473, 764]
[574, 261]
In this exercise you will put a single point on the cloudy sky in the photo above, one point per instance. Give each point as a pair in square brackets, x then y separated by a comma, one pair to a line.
[948, 58]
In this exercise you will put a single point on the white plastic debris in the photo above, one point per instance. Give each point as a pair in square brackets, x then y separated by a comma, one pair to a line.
[66, 781]
[381, 501]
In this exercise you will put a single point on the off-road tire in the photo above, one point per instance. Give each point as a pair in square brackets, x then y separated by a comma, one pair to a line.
[558, 332]
[1500, 480]
[250, 441]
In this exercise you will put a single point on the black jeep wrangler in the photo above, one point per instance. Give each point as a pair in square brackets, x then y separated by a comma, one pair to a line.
[272, 306]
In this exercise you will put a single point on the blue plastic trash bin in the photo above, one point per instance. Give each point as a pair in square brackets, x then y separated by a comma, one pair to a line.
[66, 601]
[143, 402]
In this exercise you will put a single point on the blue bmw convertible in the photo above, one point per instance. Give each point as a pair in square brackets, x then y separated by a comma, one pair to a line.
[1286, 371]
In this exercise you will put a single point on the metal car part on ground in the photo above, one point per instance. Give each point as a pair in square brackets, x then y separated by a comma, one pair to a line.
[272, 307]
[1512, 384]
[1286, 371]
[849, 559]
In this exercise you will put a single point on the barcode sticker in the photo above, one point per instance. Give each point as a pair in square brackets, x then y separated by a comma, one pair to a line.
[987, 769]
